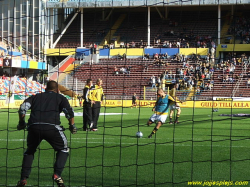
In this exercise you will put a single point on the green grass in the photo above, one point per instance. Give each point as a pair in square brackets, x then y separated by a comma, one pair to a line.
[203, 147]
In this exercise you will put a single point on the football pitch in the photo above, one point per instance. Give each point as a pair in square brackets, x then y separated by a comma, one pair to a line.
[204, 147]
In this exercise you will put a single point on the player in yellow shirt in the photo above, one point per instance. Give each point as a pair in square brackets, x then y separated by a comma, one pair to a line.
[174, 106]
[97, 97]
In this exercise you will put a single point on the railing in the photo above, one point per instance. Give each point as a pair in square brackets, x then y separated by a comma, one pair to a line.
[73, 84]
[24, 51]
[236, 87]
[56, 68]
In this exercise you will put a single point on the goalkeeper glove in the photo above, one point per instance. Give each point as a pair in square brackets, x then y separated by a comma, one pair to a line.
[72, 128]
[21, 125]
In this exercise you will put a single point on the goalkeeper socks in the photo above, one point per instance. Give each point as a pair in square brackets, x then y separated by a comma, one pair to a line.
[171, 118]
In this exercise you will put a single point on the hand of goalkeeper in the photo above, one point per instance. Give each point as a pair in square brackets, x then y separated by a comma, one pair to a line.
[72, 128]
[21, 125]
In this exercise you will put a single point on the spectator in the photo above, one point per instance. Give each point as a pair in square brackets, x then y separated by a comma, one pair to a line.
[159, 82]
[156, 56]
[111, 46]
[164, 45]
[198, 91]
[116, 72]
[141, 44]
[146, 57]
[95, 47]
[153, 82]
[123, 70]
[8, 49]
[119, 56]
[133, 44]
[122, 45]
[128, 70]
[248, 82]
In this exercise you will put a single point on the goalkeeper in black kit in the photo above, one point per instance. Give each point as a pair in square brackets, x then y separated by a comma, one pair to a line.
[44, 124]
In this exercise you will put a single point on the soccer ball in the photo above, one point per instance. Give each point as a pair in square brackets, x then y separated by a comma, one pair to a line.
[139, 134]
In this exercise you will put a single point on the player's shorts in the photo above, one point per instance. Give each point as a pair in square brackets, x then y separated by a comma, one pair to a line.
[159, 117]
[174, 107]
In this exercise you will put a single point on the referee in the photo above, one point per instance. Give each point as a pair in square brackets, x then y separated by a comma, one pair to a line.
[44, 124]
[97, 96]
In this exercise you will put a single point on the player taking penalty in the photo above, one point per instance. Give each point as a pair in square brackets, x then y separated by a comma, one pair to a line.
[160, 110]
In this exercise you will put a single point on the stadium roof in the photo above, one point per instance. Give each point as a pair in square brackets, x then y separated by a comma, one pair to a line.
[136, 3]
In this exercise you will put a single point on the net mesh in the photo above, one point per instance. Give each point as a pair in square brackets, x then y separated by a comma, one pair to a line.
[210, 144]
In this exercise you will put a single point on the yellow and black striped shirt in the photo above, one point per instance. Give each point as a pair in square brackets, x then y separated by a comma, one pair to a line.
[97, 94]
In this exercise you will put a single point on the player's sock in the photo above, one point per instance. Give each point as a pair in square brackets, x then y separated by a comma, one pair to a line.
[170, 119]
[177, 116]
[154, 131]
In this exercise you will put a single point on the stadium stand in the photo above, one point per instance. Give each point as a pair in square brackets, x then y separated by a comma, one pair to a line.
[190, 28]
[94, 31]
[240, 28]
[124, 76]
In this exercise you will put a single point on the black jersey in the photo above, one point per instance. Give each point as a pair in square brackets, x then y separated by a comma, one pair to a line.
[46, 108]
[133, 98]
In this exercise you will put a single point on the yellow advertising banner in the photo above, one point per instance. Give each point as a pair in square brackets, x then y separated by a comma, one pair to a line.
[60, 52]
[190, 51]
[217, 104]
[33, 65]
[127, 51]
[15, 104]
[149, 103]
[188, 104]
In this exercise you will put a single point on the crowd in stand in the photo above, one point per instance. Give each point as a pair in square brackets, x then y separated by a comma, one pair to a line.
[185, 39]
[194, 69]
[4, 75]
[241, 28]
[185, 42]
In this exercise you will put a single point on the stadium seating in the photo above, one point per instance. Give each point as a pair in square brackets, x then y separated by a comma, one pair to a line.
[123, 85]
[117, 86]
[201, 24]
[94, 31]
